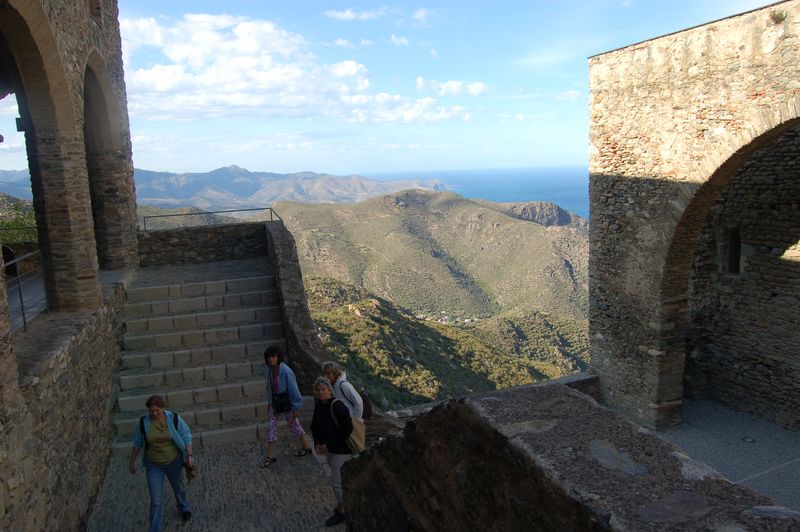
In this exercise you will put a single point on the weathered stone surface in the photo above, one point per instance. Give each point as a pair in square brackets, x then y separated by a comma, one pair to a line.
[304, 348]
[202, 244]
[675, 126]
[540, 457]
[54, 446]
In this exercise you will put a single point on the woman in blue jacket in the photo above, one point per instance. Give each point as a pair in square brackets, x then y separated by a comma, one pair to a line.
[283, 399]
[167, 441]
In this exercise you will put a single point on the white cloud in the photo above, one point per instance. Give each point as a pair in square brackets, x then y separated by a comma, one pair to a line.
[422, 14]
[451, 87]
[434, 54]
[344, 43]
[349, 14]
[570, 95]
[398, 41]
[202, 67]
[477, 88]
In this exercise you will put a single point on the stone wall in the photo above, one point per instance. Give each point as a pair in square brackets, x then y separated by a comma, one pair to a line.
[541, 457]
[192, 245]
[56, 431]
[671, 121]
[743, 335]
[65, 69]
[304, 348]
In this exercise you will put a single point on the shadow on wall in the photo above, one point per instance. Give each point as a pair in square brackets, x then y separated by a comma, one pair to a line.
[717, 280]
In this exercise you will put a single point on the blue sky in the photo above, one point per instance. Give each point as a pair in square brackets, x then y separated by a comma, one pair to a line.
[364, 87]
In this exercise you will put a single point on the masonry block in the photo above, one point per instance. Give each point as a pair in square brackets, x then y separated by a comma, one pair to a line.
[209, 417]
[193, 375]
[229, 392]
[180, 398]
[205, 395]
[216, 372]
[238, 412]
[239, 370]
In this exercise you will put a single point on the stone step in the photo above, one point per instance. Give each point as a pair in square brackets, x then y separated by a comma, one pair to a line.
[146, 309]
[193, 290]
[203, 337]
[165, 360]
[203, 320]
[231, 428]
[199, 375]
[209, 417]
[184, 397]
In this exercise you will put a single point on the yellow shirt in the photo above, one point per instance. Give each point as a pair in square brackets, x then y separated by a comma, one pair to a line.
[160, 447]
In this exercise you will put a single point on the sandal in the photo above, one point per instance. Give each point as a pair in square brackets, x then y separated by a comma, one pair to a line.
[268, 461]
[303, 452]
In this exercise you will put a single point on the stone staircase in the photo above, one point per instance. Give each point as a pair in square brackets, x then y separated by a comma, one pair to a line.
[200, 346]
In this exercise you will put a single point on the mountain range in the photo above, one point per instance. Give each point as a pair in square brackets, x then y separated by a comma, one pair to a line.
[233, 187]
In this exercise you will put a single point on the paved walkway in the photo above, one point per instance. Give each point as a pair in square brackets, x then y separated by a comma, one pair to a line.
[230, 493]
[746, 449]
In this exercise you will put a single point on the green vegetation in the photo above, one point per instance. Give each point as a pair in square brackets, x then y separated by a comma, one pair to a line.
[436, 251]
[402, 360]
[17, 220]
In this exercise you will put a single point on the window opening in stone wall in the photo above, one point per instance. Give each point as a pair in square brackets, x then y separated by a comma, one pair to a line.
[734, 252]
[95, 10]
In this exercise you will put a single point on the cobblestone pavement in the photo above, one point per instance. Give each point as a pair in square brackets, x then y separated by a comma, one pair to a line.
[195, 273]
[230, 493]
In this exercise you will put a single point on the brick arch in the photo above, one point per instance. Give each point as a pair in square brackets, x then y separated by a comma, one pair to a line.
[109, 171]
[681, 251]
[54, 144]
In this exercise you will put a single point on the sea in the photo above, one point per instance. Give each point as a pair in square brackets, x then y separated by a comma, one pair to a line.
[566, 186]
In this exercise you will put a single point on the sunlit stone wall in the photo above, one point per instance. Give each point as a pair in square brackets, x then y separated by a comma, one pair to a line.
[671, 121]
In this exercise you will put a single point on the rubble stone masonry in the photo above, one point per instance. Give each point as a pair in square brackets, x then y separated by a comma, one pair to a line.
[672, 120]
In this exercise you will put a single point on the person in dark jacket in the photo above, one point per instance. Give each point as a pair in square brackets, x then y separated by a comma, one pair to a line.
[331, 426]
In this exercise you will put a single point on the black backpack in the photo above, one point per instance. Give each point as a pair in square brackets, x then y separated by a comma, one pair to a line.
[174, 422]
[365, 400]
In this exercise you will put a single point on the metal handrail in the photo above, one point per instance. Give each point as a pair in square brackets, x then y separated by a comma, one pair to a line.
[18, 261]
[272, 214]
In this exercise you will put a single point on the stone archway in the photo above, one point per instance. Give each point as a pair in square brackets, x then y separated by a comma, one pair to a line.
[738, 328]
[54, 145]
[109, 170]
[673, 120]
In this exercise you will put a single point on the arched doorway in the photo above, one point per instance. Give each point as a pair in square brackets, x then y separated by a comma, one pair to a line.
[109, 170]
[32, 71]
[731, 284]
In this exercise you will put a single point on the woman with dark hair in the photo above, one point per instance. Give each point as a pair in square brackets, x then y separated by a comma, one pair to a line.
[167, 441]
[331, 426]
[283, 399]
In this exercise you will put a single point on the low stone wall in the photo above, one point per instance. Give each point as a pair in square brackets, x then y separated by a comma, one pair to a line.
[191, 245]
[542, 457]
[58, 446]
[305, 350]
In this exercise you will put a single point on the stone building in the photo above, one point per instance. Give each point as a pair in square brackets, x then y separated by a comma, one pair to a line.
[62, 61]
[695, 187]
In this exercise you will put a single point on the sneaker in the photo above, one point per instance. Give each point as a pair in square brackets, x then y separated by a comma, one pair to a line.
[335, 519]
[186, 515]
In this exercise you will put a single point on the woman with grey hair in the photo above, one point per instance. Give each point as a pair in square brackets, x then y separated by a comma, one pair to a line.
[343, 390]
[330, 427]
